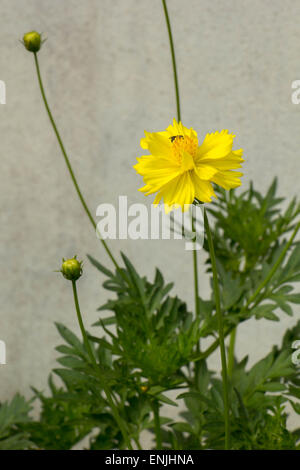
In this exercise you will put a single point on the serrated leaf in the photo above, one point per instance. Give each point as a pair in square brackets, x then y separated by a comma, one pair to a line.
[70, 338]
[272, 387]
[100, 267]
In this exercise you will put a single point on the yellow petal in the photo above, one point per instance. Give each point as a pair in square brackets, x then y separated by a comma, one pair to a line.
[230, 162]
[215, 146]
[157, 172]
[203, 189]
[178, 192]
[156, 144]
[228, 179]
[178, 129]
[205, 172]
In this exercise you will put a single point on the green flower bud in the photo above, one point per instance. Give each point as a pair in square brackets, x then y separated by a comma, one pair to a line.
[32, 41]
[71, 269]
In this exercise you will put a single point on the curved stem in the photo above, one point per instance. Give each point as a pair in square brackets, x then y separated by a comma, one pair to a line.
[221, 330]
[106, 389]
[173, 59]
[67, 161]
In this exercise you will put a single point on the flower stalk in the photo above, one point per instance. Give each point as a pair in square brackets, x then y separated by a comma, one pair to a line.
[173, 59]
[176, 86]
[220, 328]
[67, 161]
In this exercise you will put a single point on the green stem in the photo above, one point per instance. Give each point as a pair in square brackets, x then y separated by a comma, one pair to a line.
[67, 161]
[82, 329]
[94, 363]
[197, 307]
[221, 330]
[173, 59]
[231, 352]
[155, 408]
[176, 86]
[196, 281]
[138, 444]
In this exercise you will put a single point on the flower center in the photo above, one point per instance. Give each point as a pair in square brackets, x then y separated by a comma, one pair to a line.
[183, 144]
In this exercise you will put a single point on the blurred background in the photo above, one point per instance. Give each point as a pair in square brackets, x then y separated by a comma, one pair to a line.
[107, 71]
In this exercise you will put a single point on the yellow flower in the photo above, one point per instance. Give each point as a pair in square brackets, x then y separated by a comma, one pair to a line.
[179, 170]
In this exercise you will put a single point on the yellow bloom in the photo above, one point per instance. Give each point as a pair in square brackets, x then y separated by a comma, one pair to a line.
[179, 170]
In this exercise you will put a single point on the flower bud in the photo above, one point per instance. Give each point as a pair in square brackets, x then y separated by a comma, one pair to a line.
[71, 269]
[32, 41]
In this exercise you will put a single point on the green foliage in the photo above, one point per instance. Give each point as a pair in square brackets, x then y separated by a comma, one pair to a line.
[155, 333]
[147, 339]
[249, 237]
[12, 415]
[249, 226]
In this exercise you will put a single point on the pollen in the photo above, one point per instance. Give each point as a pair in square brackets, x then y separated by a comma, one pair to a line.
[181, 144]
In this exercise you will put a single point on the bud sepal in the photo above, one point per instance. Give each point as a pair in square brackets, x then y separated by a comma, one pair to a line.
[71, 269]
[32, 41]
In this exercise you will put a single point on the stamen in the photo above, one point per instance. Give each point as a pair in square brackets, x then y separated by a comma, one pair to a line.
[183, 144]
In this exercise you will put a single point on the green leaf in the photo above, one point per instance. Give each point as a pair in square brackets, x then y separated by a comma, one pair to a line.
[70, 338]
[265, 311]
[72, 378]
[272, 387]
[105, 321]
[137, 281]
[13, 412]
[100, 267]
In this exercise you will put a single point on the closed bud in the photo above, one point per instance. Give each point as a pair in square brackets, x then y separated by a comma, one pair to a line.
[32, 41]
[71, 269]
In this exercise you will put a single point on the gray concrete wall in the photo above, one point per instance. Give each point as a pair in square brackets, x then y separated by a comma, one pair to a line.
[107, 70]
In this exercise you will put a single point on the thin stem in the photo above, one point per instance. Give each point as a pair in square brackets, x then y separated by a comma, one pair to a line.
[231, 352]
[196, 296]
[138, 444]
[173, 59]
[67, 161]
[221, 330]
[94, 363]
[155, 408]
[175, 75]
[82, 329]
[196, 281]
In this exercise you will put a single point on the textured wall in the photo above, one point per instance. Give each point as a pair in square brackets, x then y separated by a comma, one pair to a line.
[107, 71]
